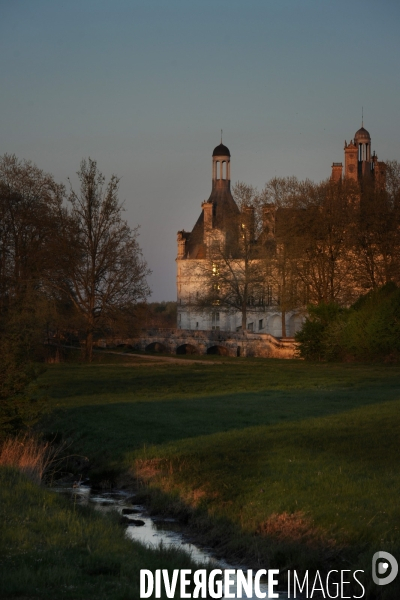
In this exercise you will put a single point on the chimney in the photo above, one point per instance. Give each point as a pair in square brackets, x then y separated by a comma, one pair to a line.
[181, 244]
[208, 215]
[248, 220]
[337, 170]
[268, 213]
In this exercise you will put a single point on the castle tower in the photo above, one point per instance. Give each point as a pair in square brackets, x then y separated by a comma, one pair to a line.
[379, 170]
[360, 164]
[214, 225]
[218, 210]
[362, 140]
[221, 168]
[337, 169]
[223, 233]
[350, 161]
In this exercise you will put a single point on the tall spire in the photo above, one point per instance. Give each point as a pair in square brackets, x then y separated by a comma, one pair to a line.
[362, 116]
[221, 136]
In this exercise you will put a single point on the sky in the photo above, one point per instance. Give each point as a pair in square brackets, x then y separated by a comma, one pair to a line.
[145, 86]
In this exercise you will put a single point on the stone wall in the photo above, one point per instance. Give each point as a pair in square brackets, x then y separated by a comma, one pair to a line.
[180, 341]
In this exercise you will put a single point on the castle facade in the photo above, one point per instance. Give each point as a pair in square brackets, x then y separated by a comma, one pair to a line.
[217, 223]
[264, 301]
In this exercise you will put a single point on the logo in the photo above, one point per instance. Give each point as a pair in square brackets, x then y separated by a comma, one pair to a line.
[381, 561]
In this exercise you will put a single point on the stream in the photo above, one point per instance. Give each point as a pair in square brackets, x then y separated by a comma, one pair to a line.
[151, 531]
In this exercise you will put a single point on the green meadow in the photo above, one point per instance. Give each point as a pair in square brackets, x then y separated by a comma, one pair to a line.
[50, 548]
[280, 463]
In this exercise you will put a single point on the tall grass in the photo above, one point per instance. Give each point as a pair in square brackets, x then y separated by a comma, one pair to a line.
[29, 455]
[50, 548]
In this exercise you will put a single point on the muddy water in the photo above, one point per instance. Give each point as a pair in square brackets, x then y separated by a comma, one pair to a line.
[154, 531]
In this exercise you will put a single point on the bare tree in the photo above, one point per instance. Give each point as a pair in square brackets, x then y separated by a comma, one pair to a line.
[325, 231]
[101, 268]
[286, 199]
[283, 277]
[232, 274]
[29, 201]
[377, 242]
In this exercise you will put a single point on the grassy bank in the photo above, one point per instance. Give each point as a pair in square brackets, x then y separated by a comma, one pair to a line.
[287, 463]
[51, 549]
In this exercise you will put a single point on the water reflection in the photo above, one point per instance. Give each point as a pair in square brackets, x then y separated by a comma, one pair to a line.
[154, 531]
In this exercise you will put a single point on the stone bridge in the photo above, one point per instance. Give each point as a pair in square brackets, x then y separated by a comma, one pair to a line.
[226, 343]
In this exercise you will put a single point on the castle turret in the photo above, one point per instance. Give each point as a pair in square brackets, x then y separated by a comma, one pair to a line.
[350, 161]
[221, 168]
[181, 239]
[337, 169]
[362, 140]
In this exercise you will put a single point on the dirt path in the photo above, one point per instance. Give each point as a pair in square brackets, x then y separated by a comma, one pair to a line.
[144, 359]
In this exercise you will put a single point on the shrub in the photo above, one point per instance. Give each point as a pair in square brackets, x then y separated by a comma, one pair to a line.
[373, 326]
[368, 330]
[28, 455]
[20, 403]
[312, 338]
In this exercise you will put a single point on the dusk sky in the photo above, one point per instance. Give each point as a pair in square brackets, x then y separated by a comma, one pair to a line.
[144, 88]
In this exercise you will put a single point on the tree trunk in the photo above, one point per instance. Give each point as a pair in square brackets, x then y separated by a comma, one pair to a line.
[89, 346]
[283, 323]
[283, 301]
[244, 316]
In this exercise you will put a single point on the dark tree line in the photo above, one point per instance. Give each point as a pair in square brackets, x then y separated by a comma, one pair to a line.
[68, 259]
[69, 264]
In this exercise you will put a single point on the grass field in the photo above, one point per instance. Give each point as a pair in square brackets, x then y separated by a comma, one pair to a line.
[281, 462]
[50, 549]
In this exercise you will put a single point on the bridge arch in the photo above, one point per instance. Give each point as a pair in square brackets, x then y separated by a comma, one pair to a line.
[275, 326]
[295, 324]
[187, 349]
[156, 347]
[220, 350]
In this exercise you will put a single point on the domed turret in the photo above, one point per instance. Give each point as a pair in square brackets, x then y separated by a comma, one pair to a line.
[362, 140]
[362, 135]
[221, 150]
[221, 168]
